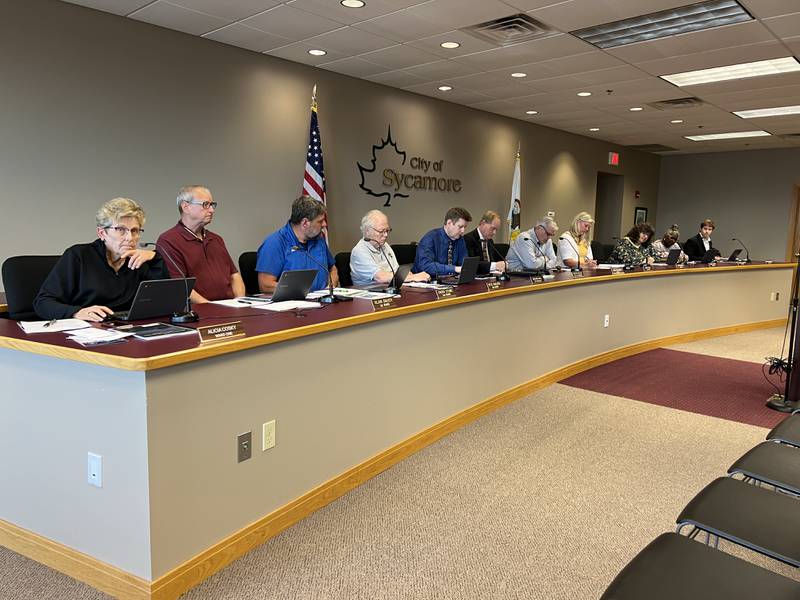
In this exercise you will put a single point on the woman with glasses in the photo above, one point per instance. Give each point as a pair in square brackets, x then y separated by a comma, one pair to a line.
[635, 249]
[91, 281]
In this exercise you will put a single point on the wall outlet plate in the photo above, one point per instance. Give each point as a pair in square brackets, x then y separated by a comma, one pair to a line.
[94, 470]
[244, 446]
[268, 435]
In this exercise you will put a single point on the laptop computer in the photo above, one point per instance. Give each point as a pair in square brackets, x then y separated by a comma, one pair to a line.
[709, 256]
[399, 277]
[469, 268]
[734, 255]
[294, 285]
[673, 256]
[156, 298]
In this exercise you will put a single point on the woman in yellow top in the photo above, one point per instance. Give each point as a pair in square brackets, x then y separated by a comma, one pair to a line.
[574, 249]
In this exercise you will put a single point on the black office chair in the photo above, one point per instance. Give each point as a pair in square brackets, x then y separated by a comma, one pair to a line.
[22, 278]
[247, 268]
[405, 253]
[601, 251]
[502, 250]
[342, 260]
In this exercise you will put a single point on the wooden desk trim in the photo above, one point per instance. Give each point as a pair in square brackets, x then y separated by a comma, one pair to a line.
[236, 345]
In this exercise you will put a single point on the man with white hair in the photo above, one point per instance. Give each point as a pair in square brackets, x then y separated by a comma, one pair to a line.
[372, 259]
[533, 249]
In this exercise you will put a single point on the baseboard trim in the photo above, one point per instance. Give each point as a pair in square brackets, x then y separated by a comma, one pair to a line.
[199, 568]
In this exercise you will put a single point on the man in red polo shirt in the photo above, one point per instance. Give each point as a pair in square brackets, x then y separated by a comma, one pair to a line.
[199, 252]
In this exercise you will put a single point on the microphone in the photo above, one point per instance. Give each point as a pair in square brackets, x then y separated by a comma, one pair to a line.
[392, 289]
[502, 276]
[188, 315]
[747, 252]
[576, 269]
[330, 298]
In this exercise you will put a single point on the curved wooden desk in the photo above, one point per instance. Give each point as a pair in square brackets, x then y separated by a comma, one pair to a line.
[352, 391]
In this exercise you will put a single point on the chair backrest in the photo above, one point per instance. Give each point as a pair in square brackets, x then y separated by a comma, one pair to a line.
[502, 250]
[405, 253]
[247, 268]
[601, 251]
[22, 278]
[342, 260]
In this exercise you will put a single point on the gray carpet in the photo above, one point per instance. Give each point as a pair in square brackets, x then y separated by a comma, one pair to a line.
[545, 499]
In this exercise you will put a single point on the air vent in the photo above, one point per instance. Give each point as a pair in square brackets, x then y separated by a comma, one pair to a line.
[653, 148]
[511, 30]
[676, 103]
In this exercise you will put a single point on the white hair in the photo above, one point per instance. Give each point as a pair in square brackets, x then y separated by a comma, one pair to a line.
[368, 219]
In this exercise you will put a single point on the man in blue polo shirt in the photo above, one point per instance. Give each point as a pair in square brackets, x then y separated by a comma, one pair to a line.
[297, 245]
[441, 251]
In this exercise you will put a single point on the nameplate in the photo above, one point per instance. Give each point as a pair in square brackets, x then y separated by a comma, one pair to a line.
[444, 293]
[223, 331]
[577, 274]
[493, 285]
[537, 279]
[383, 303]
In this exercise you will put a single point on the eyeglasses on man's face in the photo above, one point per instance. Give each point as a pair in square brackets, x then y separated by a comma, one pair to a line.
[123, 231]
[206, 205]
[386, 231]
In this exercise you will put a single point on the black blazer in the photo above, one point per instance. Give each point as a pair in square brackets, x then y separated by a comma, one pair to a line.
[473, 240]
[694, 248]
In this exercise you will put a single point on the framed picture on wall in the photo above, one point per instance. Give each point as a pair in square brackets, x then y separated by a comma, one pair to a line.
[639, 215]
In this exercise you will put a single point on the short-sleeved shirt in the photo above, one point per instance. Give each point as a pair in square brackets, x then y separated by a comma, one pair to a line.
[527, 252]
[206, 259]
[366, 260]
[275, 255]
[567, 247]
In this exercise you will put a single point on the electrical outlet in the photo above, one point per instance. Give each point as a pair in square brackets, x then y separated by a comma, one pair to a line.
[606, 320]
[94, 472]
[268, 435]
[244, 448]
[774, 296]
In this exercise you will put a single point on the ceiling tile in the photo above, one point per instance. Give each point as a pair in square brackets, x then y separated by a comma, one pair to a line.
[402, 26]
[441, 69]
[298, 52]
[224, 9]
[785, 26]
[469, 44]
[457, 13]
[525, 5]
[355, 67]
[334, 10]
[247, 37]
[769, 8]
[454, 95]
[555, 46]
[349, 40]
[399, 79]
[178, 18]
[118, 7]
[295, 24]
[577, 14]
[714, 58]
[399, 57]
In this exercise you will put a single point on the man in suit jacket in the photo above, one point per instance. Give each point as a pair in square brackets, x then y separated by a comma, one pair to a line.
[480, 242]
[696, 247]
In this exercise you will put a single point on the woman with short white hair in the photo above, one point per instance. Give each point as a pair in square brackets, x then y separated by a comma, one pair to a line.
[92, 281]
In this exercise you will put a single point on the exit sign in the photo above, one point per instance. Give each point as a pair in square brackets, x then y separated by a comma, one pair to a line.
[613, 159]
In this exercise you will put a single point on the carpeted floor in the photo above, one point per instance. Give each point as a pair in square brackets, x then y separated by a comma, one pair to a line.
[546, 499]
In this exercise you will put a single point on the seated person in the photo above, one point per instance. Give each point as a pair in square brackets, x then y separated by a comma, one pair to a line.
[297, 245]
[533, 249]
[480, 242]
[697, 246]
[662, 247]
[198, 252]
[574, 248]
[92, 281]
[372, 259]
[635, 249]
[441, 251]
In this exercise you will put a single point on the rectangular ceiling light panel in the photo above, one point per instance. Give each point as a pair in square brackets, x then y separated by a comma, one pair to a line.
[726, 136]
[730, 72]
[778, 111]
[665, 23]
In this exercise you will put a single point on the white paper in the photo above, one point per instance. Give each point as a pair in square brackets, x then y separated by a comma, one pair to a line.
[610, 266]
[287, 305]
[52, 326]
[237, 302]
[94, 335]
[427, 286]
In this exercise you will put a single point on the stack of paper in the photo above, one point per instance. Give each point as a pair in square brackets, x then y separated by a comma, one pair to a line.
[288, 305]
[52, 326]
[93, 336]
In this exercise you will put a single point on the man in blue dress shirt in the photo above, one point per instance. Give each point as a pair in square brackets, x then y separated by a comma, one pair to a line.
[441, 251]
[297, 245]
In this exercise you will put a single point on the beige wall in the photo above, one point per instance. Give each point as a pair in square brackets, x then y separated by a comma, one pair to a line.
[97, 106]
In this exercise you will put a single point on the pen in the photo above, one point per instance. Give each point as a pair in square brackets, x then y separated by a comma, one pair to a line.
[244, 302]
[50, 322]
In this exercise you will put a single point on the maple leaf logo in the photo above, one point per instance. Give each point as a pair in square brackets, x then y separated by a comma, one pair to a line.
[390, 195]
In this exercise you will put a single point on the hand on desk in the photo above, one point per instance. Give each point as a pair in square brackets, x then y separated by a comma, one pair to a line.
[94, 314]
[422, 276]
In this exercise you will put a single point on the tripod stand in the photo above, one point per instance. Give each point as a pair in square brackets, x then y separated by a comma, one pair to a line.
[787, 402]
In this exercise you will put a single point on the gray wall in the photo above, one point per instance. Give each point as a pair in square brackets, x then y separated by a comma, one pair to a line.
[97, 106]
[748, 194]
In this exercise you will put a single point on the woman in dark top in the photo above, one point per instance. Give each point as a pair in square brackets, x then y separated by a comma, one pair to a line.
[635, 248]
[91, 281]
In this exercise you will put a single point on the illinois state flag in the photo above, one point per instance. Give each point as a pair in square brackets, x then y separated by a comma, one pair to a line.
[515, 209]
[314, 176]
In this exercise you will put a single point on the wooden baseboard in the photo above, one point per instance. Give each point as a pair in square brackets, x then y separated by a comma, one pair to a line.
[196, 570]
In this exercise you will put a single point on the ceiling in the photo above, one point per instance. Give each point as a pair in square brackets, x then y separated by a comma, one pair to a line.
[397, 43]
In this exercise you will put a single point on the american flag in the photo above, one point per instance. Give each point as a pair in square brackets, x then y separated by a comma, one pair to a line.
[314, 177]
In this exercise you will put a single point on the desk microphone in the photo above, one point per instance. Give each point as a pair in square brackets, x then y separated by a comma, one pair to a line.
[576, 269]
[188, 316]
[747, 252]
[393, 288]
[330, 298]
[502, 276]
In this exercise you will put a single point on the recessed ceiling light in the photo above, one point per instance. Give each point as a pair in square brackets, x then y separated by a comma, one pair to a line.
[594, 129]
[450, 45]
[740, 71]
[531, 112]
[635, 108]
[726, 136]
[768, 112]
[518, 75]
[317, 52]
[676, 121]
[584, 94]
[352, 3]
[665, 23]
[445, 88]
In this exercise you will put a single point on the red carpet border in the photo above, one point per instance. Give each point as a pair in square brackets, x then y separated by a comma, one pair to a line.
[718, 387]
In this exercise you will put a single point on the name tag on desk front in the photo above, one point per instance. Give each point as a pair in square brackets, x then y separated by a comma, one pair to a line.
[383, 303]
[444, 293]
[493, 285]
[537, 279]
[223, 331]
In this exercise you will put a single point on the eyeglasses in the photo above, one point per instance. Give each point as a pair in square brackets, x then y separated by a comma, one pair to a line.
[205, 204]
[123, 231]
[382, 231]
